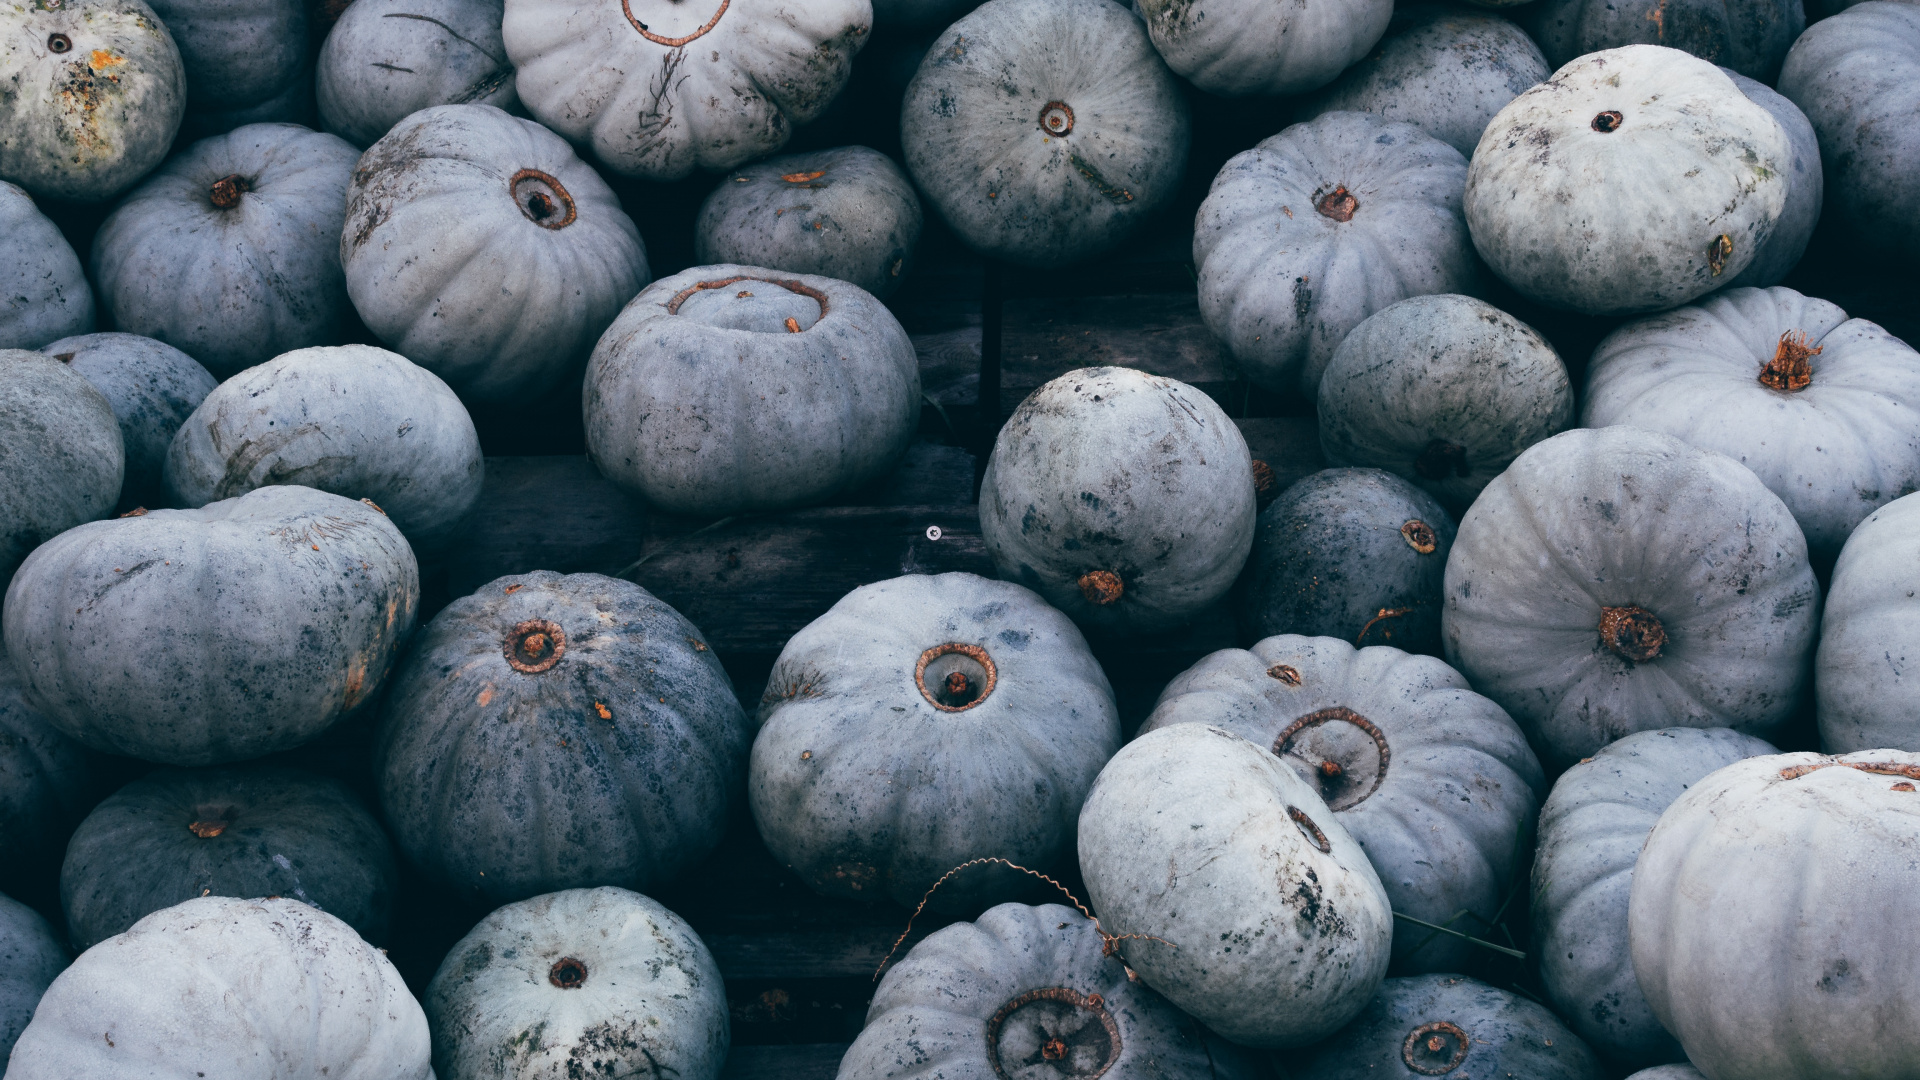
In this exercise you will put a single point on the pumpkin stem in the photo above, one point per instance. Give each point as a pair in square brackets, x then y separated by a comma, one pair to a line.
[1791, 368]
[534, 646]
[210, 821]
[228, 189]
[1101, 587]
[1342, 785]
[1099, 1044]
[1263, 480]
[962, 676]
[1338, 204]
[542, 198]
[1441, 459]
[1420, 536]
[1057, 118]
[567, 973]
[1608, 122]
[1632, 632]
[1435, 1049]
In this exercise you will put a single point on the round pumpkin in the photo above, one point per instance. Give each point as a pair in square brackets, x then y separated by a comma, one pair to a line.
[1030, 992]
[479, 247]
[387, 59]
[1749, 36]
[246, 63]
[30, 957]
[1444, 391]
[848, 213]
[1445, 1025]
[1857, 78]
[659, 88]
[1308, 233]
[177, 834]
[1238, 48]
[1634, 180]
[1434, 781]
[586, 982]
[46, 787]
[197, 637]
[1592, 827]
[923, 722]
[1045, 132]
[1265, 920]
[47, 295]
[61, 454]
[1806, 981]
[1867, 671]
[733, 389]
[1354, 554]
[1613, 580]
[91, 94]
[152, 387]
[1446, 70]
[553, 732]
[352, 419]
[1780, 252]
[229, 250]
[1125, 499]
[226, 987]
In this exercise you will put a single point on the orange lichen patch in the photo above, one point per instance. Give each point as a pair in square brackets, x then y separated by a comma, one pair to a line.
[486, 696]
[605, 713]
[207, 830]
[803, 177]
[514, 588]
[1791, 368]
[373, 504]
[356, 682]
[101, 60]
[698, 646]
[1101, 587]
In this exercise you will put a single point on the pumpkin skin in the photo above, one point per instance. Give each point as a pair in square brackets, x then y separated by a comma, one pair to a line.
[1614, 579]
[848, 213]
[871, 775]
[1444, 815]
[1444, 391]
[46, 787]
[617, 79]
[1635, 179]
[1125, 499]
[246, 63]
[1481, 1032]
[47, 295]
[286, 605]
[1045, 132]
[1749, 36]
[983, 999]
[231, 986]
[1445, 70]
[1780, 252]
[30, 957]
[388, 59]
[1721, 376]
[354, 420]
[1238, 48]
[232, 272]
[175, 834]
[152, 387]
[1591, 830]
[507, 206]
[1857, 78]
[586, 982]
[1864, 677]
[821, 391]
[1668, 1072]
[511, 766]
[1825, 996]
[91, 94]
[1308, 233]
[60, 452]
[1354, 554]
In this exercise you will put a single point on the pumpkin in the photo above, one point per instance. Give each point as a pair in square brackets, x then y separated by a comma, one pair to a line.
[554, 731]
[1308, 233]
[479, 247]
[1857, 78]
[848, 213]
[1445, 70]
[1354, 554]
[659, 88]
[352, 419]
[1124, 499]
[1433, 1025]
[1238, 48]
[60, 453]
[30, 957]
[1614, 580]
[177, 834]
[1591, 830]
[388, 59]
[1031, 992]
[1820, 993]
[1864, 673]
[1433, 781]
[1635, 179]
[47, 295]
[227, 988]
[229, 251]
[152, 387]
[1259, 913]
[1780, 252]
[1824, 409]
[46, 787]
[920, 12]
[1045, 132]
[197, 637]
[1444, 391]
[91, 94]
[1749, 36]
[586, 982]
[924, 722]
[245, 63]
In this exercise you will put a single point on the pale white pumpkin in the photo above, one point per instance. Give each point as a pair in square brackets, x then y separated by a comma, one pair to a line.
[1238, 48]
[43, 292]
[387, 59]
[1867, 672]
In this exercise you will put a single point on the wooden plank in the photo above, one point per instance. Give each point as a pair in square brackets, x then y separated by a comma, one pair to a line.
[1158, 333]
[1290, 446]
[807, 1061]
[845, 952]
[545, 513]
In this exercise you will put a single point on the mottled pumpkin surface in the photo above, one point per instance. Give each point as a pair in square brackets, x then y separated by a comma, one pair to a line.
[1450, 1025]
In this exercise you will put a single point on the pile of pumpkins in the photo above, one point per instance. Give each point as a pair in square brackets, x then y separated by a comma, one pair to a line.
[1517, 633]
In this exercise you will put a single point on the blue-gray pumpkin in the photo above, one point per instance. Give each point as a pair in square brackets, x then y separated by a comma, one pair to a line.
[1450, 1025]
[46, 295]
[246, 63]
[1749, 36]
[152, 387]
[1237, 48]
[1867, 672]
[62, 459]
[1806, 190]
[387, 59]
[31, 956]
[46, 787]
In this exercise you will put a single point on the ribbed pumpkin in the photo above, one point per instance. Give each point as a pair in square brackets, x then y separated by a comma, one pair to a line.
[1447, 1025]
[46, 295]
[1749, 36]
[152, 387]
[30, 957]
[1243, 47]
[61, 456]
[247, 63]
[1867, 672]
[387, 59]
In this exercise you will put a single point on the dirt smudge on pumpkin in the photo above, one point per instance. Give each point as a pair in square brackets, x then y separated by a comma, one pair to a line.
[84, 89]
[1312, 909]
